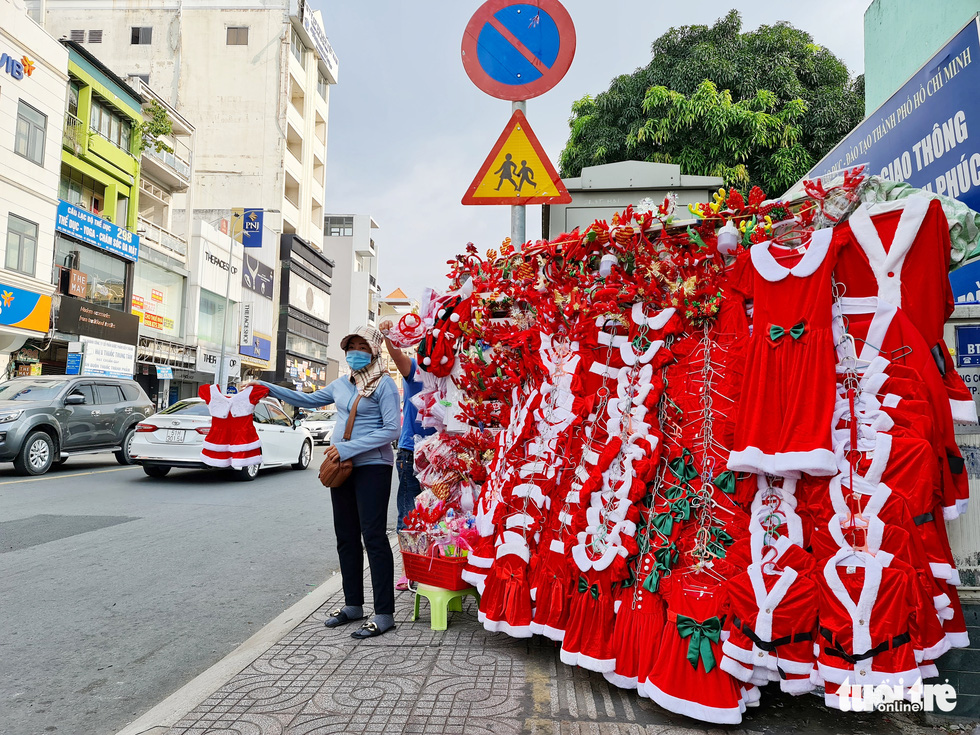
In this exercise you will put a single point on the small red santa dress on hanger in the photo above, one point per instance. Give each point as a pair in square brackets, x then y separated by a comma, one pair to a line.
[776, 433]
[232, 440]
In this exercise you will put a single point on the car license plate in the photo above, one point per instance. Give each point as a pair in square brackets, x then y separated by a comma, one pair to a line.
[175, 436]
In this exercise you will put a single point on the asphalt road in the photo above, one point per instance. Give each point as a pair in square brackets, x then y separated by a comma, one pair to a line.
[116, 589]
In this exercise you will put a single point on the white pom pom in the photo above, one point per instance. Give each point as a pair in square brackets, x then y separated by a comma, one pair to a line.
[454, 317]
[427, 361]
[435, 332]
[444, 360]
[442, 313]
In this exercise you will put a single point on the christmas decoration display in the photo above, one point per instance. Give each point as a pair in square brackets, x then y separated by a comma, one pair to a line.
[707, 456]
[232, 440]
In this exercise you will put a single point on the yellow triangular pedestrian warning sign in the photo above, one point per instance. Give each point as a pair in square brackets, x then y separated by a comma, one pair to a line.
[517, 171]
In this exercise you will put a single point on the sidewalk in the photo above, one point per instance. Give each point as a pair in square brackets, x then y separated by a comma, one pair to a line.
[317, 681]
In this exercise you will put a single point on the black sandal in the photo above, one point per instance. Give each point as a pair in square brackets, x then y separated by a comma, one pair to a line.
[339, 617]
[370, 629]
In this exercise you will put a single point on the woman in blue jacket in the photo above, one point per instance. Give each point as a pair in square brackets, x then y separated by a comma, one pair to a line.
[360, 505]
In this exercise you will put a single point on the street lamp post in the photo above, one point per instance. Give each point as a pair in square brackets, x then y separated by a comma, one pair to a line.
[222, 369]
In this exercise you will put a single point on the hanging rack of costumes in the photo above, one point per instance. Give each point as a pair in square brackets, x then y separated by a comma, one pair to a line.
[724, 449]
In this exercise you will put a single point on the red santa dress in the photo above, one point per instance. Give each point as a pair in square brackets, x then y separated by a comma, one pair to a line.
[792, 338]
[232, 440]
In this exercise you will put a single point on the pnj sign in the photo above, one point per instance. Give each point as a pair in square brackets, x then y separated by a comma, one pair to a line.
[17, 68]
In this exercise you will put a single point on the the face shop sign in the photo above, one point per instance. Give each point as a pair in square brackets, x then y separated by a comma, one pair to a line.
[219, 263]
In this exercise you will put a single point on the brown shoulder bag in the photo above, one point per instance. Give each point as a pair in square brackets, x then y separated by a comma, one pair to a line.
[334, 472]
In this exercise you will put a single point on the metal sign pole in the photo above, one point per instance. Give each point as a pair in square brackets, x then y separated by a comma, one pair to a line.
[518, 212]
[222, 370]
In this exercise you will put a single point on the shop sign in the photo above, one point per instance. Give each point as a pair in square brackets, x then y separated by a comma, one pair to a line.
[208, 360]
[27, 354]
[76, 316]
[112, 359]
[320, 42]
[156, 295]
[257, 276]
[17, 68]
[74, 366]
[96, 231]
[260, 348]
[968, 346]
[165, 372]
[246, 336]
[24, 371]
[77, 283]
[24, 309]
[921, 135]
[247, 226]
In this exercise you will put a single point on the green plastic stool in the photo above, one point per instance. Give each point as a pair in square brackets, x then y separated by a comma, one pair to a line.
[441, 601]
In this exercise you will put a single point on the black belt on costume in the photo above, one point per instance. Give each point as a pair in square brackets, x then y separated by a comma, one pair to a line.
[853, 658]
[924, 518]
[772, 645]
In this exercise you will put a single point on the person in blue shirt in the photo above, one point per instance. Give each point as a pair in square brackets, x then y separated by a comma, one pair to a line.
[408, 483]
[360, 505]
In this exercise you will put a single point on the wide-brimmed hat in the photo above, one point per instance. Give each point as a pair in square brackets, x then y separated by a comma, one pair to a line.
[372, 336]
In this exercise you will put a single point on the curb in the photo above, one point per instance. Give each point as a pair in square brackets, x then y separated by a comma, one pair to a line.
[171, 710]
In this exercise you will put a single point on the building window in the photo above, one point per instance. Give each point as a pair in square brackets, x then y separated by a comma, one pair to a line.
[298, 49]
[21, 245]
[321, 86]
[105, 274]
[237, 36]
[212, 315]
[142, 36]
[77, 36]
[339, 227]
[95, 36]
[81, 191]
[31, 128]
[73, 89]
[110, 124]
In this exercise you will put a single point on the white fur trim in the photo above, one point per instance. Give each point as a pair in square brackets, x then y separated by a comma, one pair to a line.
[960, 639]
[928, 671]
[954, 576]
[547, 631]
[887, 266]
[734, 669]
[502, 626]
[618, 680]
[818, 462]
[692, 709]
[964, 412]
[839, 676]
[796, 686]
[257, 444]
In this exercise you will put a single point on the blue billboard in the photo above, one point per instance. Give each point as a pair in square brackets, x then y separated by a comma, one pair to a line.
[96, 231]
[921, 135]
[261, 348]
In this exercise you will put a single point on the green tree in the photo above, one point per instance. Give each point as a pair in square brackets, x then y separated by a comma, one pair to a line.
[754, 108]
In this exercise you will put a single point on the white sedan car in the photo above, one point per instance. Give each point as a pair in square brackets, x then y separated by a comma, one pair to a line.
[174, 437]
[321, 425]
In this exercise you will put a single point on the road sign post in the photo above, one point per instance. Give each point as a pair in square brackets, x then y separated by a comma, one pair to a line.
[516, 50]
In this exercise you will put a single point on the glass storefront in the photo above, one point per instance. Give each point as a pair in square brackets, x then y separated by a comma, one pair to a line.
[158, 299]
[105, 274]
[211, 317]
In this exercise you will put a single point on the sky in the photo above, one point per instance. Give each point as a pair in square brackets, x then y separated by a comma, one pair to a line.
[408, 130]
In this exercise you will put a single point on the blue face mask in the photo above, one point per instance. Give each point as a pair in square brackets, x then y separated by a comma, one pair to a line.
[358, 360]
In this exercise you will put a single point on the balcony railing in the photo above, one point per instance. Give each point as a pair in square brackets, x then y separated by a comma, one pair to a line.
[178, 159]
[165, 239]
[74, 136]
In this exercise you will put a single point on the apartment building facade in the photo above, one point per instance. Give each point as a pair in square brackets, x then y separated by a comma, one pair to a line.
[348, 241]
[33, 78]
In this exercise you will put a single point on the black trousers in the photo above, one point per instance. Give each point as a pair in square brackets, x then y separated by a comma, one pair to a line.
[360, 509]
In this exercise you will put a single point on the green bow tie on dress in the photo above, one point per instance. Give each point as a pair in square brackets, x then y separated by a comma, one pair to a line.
[702, 635]
[583, 587]
[777, 332]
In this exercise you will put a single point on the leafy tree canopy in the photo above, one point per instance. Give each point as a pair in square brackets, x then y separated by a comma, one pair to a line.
[756, 108]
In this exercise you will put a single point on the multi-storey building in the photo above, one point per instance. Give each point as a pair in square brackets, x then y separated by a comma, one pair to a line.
[96, 245]
[258, 72]
[33, 76]
[349, 242]
[394, 307]
[166, 359]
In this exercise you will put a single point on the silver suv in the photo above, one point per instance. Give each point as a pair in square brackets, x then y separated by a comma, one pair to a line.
[45, 420]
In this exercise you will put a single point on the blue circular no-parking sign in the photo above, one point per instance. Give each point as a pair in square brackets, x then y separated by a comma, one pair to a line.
[516, 50]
